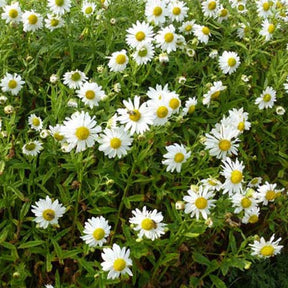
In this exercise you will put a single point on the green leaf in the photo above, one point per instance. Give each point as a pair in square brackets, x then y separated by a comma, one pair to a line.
[199, 258]
[217, 281]
[31, 244]
[191, 235]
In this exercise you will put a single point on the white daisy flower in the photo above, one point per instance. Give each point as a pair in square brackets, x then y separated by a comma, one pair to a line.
[177, 10]
[223, 14]
[251, 216]
[242, 202]
[187, 27]
[266, 249]
[12, 83]
[264, 8]
[134, 116]
[47, 212]
[239, 120]
[210, 8]
[148, 223]
[255, 182]
[32, 21]
[139, 33]
[199, 202]
[161, 111]
[90, 93]
[88, 8]
[241, 7]
[235, 3]
[53, 22]
[74, 79]
[12, 13]
[115, 142]
[96, 231]
[213, 93]
[105, 3]
[268, 193]
[163, 57]
[202, 33]
[2, 3]
[35, 122]
[280, 110]
[243, 30]
[116, 261]
[173, 100]
[190, 106]
[175, 157]
[267, 29]
[118, 61]
[144, 53]
[229, 62]
[166, 39]
[233, 173]
[159, 93]
[220, 142]
[266, 99]
[80, 131]
[156, 11]
[211, 183]
[59, 7]
[55, 132]
[32, 148]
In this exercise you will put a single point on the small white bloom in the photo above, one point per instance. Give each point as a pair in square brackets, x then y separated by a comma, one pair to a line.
[187, 27]
[264, 8]
[47, 212]
[96, 231]
[266, 99]
[255, 182]
[267, 29]
[238, 119]
[166, 39]
[12, 83]
[223, 14]
[90, 93]
[32, 148]
[88, 8]
[116, 261]
[243, 202]
[251, 215]
[280, 110]
[163, 58]
[59, 7]
[211, 183]
[53, 22]
[148, 223]
[229, 62]
[199, 202]
[177, 10]
[32, 21]
[161, 111]
[118, 61]
[55, 132]
[35, 122]
[268, 193]
[213, 93]
[54, 78]
[156, 11]
[74, 79]
[202, 33]
[175, 157]
[210, 8]
[266, 249]
[144, 53]
[12, 13]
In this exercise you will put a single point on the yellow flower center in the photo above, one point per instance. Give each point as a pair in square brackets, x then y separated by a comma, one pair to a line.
[241, 126]
[176, 11]
[48, 214]
[201, 203]
[35, 121]
[266, 97]
[212, 5]
[253, 219]
[13, 13]
[59, 2]
[271, 28]
[143, 52]
[174, 103]
[205, 30]
[191, 109]
[88, 10]
[267, 250]
[90, 94]
[30, 146]
[98, 234]
[162, 112]
[236, 177]
[157, 11]
[120, 59]
[75, 76]
[188, 28]
[231, 62]
[212, 182]
[134, 115]
[270, 195]
[32, 19]
[224, 145]
[140, 36]
[12, 84]
[266, 6]
[246, 202]
[58, 136]
[115, 143]
[179, 157]
[54, 22]
[169, 37]
[223, 13]
[148, 224]
[82, 133]
[119, 264]
[241, 7]
[215, 95]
